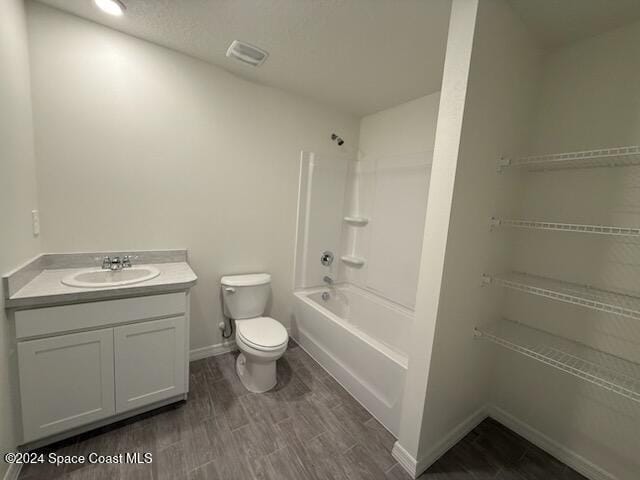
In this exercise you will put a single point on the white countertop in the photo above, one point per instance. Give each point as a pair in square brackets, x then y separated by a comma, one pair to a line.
[47, 289]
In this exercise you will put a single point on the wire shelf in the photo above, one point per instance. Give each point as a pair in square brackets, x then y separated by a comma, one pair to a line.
[567, 227]
[585, 296]
[608, 157]
[607, 371]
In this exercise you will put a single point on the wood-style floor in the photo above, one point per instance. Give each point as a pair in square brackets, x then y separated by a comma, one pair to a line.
[308, 427]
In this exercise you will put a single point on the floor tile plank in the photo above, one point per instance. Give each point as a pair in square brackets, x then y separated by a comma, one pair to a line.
[170, 464]
[288, 465]
[226, 405]
[361, 466]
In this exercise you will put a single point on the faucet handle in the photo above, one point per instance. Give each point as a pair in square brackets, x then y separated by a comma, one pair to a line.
[106, 263]
[326, 258]
[126, 261]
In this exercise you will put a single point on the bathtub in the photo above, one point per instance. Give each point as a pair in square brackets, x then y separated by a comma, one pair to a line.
[361, 340]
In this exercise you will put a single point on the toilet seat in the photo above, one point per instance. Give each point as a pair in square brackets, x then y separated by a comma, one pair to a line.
[262, 333]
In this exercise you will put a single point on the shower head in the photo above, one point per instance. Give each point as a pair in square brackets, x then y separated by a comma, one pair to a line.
[337, 139]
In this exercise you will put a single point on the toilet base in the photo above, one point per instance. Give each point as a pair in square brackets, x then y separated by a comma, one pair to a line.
[256, 377]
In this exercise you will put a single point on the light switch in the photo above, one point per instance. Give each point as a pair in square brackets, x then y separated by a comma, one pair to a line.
[35, 221]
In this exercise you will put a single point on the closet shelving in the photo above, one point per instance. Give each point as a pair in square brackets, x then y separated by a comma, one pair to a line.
[585, 296]
[607, 157]
[605, 370]
[566, 227]
[602, 369]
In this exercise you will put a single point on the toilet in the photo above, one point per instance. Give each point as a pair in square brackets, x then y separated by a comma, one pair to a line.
[261, 340]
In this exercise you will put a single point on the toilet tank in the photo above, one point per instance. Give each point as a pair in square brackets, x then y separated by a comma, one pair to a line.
[245, 296]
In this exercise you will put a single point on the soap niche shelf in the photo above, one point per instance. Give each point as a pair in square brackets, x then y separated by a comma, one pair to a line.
[356, 221]
[352, 261]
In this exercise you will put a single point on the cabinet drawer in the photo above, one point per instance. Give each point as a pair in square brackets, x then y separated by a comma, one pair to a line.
[83, 316]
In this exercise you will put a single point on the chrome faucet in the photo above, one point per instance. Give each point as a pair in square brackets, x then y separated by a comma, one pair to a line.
[116, 263]
[328, 280]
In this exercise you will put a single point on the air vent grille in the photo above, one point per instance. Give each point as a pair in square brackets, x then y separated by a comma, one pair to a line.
[247, 53]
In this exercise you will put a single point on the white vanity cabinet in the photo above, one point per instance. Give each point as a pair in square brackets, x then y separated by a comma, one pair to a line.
[85, 363]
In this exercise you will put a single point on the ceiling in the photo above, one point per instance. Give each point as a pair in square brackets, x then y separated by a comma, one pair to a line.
[559, 22]
[361, 56]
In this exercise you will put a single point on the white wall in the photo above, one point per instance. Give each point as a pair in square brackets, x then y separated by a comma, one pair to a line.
[389, 185]
[17, 192]
[449, 371]
[589, 98]
[141, 147]
[590, 95]
[401, 130]
[445, 159]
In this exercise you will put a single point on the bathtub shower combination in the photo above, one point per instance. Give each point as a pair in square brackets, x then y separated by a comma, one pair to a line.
[353, 289]
[360, 339]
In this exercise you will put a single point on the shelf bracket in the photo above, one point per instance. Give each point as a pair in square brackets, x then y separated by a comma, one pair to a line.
[486, 280]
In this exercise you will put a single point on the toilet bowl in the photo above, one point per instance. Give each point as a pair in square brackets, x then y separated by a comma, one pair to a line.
[261, 340]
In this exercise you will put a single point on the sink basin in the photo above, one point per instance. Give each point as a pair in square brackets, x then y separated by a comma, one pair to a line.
[108, 278]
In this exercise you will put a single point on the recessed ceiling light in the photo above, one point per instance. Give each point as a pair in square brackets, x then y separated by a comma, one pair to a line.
[112, 7]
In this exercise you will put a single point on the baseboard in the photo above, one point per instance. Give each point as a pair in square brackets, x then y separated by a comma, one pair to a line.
[416, 467]
[13, 472]
[212, 350]
[405, 459]
[453, 437]
[553, 448]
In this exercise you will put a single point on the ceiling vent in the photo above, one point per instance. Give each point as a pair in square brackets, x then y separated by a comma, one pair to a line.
[247, 53]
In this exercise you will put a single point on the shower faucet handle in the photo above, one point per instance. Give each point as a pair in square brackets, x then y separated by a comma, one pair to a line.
[326, 258]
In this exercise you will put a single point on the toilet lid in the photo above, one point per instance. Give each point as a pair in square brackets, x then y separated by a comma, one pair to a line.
[262, 332]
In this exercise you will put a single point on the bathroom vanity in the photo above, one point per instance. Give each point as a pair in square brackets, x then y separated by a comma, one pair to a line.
[87, 356]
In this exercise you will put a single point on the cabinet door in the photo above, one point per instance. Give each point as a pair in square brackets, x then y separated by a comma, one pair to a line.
[150, 362]
[65, 382]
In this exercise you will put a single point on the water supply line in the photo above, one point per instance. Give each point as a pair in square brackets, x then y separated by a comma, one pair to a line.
[226, 337]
